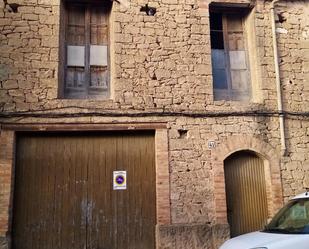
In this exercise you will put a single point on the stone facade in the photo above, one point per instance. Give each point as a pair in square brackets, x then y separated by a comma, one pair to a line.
[161, 73]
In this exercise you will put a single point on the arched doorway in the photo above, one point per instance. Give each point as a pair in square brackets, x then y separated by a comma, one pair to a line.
[245, 192]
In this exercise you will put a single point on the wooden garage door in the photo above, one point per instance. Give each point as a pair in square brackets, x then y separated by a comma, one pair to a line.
[245, 193]
[64, 197]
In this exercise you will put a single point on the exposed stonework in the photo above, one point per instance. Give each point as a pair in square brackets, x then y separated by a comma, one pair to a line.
[195, 236]
[4, 243]
[162, 63]
[293, 39]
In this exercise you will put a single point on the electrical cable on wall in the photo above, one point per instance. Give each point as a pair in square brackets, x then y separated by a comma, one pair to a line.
[50, 113]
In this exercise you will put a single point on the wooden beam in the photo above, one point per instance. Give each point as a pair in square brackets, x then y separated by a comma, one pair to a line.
[82, 126]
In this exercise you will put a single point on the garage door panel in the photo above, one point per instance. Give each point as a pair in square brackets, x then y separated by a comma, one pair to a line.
[64, 195]
[72, 190]
[99, 193]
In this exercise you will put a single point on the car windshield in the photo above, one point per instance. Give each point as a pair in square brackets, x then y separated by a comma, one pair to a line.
[291, 219]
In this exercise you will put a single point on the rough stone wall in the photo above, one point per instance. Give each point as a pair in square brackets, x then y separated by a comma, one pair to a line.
[159, 62]
[3, 243]
[293, 41]
[29, 54]
[194, 236]
[192, 168]
[162, 63]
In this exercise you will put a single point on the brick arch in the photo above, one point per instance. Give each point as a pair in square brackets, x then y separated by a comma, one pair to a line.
[271, 160]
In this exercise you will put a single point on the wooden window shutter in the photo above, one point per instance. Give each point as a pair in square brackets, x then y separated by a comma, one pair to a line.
[87, 51]
[99, 76]
[75, 76]
[230, 67]
[239, 68]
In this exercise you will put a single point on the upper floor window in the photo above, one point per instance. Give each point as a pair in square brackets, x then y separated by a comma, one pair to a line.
[229, 55]
[86, 65]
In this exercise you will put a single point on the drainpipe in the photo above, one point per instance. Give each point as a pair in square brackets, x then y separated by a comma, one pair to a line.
[277, 73]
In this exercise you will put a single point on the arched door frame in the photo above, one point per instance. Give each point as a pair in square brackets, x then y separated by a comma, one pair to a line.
[272, 172]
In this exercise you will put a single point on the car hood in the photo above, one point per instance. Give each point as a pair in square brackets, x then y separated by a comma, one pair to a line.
[269, 240]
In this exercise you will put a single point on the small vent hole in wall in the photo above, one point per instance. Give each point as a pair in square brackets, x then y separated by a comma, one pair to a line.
[11, 7]
[182, 133]
[281, 18]
[157, 41]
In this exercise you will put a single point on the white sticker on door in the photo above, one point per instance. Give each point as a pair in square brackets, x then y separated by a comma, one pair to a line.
[120, 180]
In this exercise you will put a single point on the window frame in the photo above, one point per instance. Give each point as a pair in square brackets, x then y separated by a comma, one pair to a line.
[229, 94]
[64, 16]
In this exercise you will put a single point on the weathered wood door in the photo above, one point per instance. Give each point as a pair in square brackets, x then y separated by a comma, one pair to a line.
[245, 193]
[64, 197]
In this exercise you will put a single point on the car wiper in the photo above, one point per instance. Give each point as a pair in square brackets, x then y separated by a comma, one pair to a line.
[277, 230]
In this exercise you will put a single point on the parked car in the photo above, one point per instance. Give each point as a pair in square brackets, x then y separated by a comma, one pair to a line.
[289, 229]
